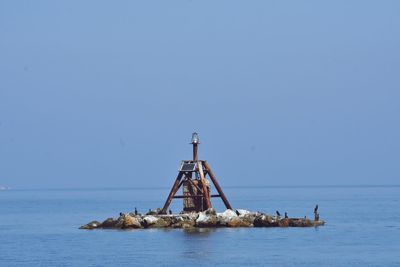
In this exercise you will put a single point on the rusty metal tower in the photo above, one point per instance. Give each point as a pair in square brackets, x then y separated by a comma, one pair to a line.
[196, 188]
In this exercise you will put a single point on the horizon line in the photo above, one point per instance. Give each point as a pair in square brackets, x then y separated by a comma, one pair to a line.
[9, 188]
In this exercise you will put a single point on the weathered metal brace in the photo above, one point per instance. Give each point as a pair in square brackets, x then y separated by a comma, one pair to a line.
[196, 190]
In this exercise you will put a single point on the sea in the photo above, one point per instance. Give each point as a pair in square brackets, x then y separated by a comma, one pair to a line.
[41, 228]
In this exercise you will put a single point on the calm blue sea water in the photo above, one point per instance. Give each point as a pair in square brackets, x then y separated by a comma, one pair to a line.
[40, 228]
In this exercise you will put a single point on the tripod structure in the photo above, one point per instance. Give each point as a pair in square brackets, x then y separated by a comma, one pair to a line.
[196, 188]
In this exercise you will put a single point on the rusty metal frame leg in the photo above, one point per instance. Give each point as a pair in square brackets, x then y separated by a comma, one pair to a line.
[206, 194]
[174, 189]
[217, 186]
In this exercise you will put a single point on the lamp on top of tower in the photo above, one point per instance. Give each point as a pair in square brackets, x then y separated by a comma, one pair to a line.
[195, 138]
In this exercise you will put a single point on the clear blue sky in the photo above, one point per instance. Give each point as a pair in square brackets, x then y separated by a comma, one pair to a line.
[107, 93]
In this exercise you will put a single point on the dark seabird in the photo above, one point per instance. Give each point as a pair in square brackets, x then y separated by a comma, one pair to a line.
[136, 211]
[170, 211]
[286, 215]
[121, 214]
[277, 213]
[316, 209]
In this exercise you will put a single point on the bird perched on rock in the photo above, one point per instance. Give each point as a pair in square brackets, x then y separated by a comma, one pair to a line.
[316, 214]
[316, 209]
[121, 214]
[136, 211]
[278, 214]
[286, 215]
[170, 211]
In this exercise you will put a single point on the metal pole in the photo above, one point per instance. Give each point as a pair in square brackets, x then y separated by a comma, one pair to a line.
[195, 148]
[174, 189]
[206, 194]
[219, 189]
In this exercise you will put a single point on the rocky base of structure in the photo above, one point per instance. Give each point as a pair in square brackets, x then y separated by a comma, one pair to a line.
[208, 218]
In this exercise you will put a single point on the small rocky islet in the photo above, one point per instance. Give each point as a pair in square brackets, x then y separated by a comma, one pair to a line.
[197, 209]
[205, 219]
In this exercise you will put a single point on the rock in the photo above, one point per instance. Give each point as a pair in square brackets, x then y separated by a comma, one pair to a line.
[156, 222]
[151, 212]
[228, 214]
[164, 221]
[154, 212]
[238, 222]
[149, 220]
[210, 211]
[188, 225]
[298, 222]
[191, 216]
[248, 218]
[120, 222]
[176, 221]
[91, 225]
[283, 223]
[108, 223]
[158, 210]
[263, 220]
[319, 223]
[225, 217]
[206, 220]
[183, 221]
[241, 212]
[130, 222]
